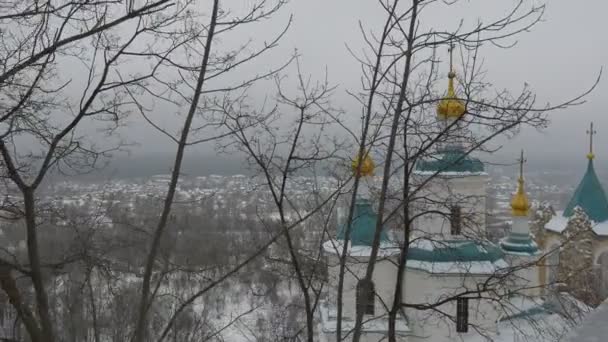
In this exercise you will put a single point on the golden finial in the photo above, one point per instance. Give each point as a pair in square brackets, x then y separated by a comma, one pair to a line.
[450, 106]
[519, 202]
[367, 165]
[591, 133]
[451, 73]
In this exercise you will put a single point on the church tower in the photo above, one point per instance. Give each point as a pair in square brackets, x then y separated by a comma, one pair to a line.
[520, 248]
[575, 239]
[589, 194]
[458, 180]
[449, 254]
[358, 238]
[448, 257]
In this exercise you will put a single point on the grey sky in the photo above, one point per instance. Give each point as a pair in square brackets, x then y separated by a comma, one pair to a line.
[558, 59]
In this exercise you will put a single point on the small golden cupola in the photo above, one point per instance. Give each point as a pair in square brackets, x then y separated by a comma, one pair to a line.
[519, 203]
[367, 165]
[450, 106]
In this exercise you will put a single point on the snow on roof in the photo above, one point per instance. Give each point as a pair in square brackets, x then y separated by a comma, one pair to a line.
[470, 267]
[370, 324]
[451, 267]
[335, 247]
[450, 173]
[521, 306]
[540, 328]
[600, 228]
[559, 222]
[593, 328]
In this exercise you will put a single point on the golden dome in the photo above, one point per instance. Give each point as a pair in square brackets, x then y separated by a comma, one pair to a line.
[367, 167]
[450, 106]
[519, 202]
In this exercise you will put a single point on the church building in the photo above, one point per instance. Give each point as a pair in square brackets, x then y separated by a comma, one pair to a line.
[458, 285]
[578, 234]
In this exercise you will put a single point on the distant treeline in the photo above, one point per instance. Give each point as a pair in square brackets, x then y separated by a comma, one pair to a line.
[202, 164]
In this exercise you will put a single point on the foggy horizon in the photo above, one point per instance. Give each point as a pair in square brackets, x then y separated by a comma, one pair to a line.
[555, 71]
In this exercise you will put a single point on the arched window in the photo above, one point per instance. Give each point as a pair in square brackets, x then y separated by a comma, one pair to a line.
[365, 290]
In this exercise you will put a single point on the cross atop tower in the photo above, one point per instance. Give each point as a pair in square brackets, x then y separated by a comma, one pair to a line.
[591, 133]
[451, 51]
[521, 161]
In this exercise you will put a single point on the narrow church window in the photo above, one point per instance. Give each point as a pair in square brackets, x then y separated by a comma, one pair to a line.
[462, 315]
[553, 264]
[366, 290]
[455, 220]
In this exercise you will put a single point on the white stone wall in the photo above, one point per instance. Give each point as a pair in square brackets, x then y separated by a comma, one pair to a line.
[525, 280]
[424, 288]
[468, 192]
[369, 337]
[384, 278]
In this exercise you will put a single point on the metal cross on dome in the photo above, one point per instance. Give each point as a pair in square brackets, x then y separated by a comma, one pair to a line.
[451, 50]
[591, 133]
[521, 161]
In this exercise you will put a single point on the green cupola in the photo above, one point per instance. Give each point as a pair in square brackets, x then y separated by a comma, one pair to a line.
[589, 194]
[363, 225]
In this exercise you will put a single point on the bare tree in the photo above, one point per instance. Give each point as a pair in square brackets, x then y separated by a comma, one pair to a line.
[281, 157]
[197, 92]
[134, 55]
[40, 113]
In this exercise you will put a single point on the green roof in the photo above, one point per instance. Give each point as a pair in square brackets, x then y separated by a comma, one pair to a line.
[363, 225]
[519, 243]
[590, 196]
[451, 160]
[456, 251]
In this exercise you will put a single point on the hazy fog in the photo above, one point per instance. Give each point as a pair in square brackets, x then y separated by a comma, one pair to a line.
[560, 58]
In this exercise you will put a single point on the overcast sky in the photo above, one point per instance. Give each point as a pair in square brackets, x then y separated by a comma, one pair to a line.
[561, 57]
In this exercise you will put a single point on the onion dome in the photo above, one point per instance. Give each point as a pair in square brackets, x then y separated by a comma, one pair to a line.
[520, 241]
[450, 106]
[363, 225]
[367, 165]
[519, 203]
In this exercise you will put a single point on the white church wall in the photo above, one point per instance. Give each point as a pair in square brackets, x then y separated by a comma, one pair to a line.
[366, 337]
[424, 288]
[551, 252]
[525, 279]
[384, 278]
[468, 192]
